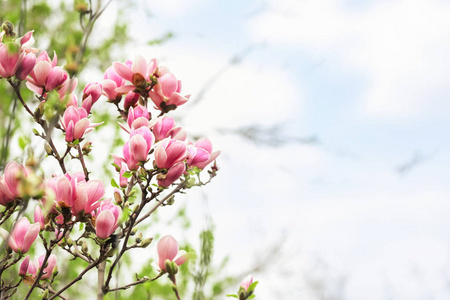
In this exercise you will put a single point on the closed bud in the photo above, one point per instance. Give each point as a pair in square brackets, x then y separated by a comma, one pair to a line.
[171, 200]
[146, 242]
[55, 271]
[48, 149]
[36, 133]
[145, 278]
[45, 294]
[39, 112]
[138, 238]
[134, 230]
[69, 242]
[8, 28]
[142, 172]
[84, 248]
[87, 148]
[117, 197]
[171, 267]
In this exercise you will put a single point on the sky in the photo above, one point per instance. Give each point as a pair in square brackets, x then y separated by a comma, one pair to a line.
[350, 176]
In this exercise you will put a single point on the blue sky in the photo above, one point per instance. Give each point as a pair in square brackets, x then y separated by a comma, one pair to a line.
[370, 79]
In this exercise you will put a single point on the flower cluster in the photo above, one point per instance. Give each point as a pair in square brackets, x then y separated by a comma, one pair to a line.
[156, 152]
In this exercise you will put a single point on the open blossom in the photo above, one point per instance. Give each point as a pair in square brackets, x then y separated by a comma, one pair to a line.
[167, 249]
[138, 117]
[169, 152]
[64, 189]
[111, 82]
[164, 127]
[172, 175]
[46, 75]
[27, 267]
[137, 148]
[138, 73]
[22, 236]
[17, 58]
[76, 123]
[107, 219]
[166, 93]
[205, 144]
[88, 196]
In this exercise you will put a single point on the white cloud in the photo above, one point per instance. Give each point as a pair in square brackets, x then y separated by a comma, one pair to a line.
[400, 46]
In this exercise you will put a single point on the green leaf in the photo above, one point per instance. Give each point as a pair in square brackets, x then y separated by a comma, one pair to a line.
[251, 297]
[23, 141]
[114, 183]
[232, 295]
[127, 174]
[252, 286]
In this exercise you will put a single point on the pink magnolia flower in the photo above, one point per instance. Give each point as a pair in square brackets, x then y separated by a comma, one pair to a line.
[63, 190]
[164, 127]
[167, 249]
[28, 267]
[205, 144]
[91, 94]
[28, 63]
[138, 117]
[169, 152]
[137, 148]
[76, 123]
[138, 73]
[111, 82]
[131, 100]
[88, 196]
[22, 236]
[107, 219]
[196, 156]
[9, 182]
[66, 92]
[247, 282]
[123, 181]
[10, 59]
[166, 93]
[39, 217]
[172, 175]
[46, 75]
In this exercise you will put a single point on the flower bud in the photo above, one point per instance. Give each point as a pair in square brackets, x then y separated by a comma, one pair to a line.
[48, 149]
[146, 242]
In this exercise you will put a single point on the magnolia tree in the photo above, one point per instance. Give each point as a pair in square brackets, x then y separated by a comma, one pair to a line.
[73, 215]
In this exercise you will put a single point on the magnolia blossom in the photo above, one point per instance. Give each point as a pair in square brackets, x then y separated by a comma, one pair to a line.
[166, 93]
[111, 82]
[9, 182]
[164, 127]
[14, 61]
[88, 196]
[91, 94]
[27, 267]
[205, 144]
[172, 175]
[137, 148]
[167, 249]
[107, 219]
[169, 152]
[46, 75]
[39, 217]
[138, 73]
[22, 236]
[76, 124]
[138, 117]
[131, 100]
